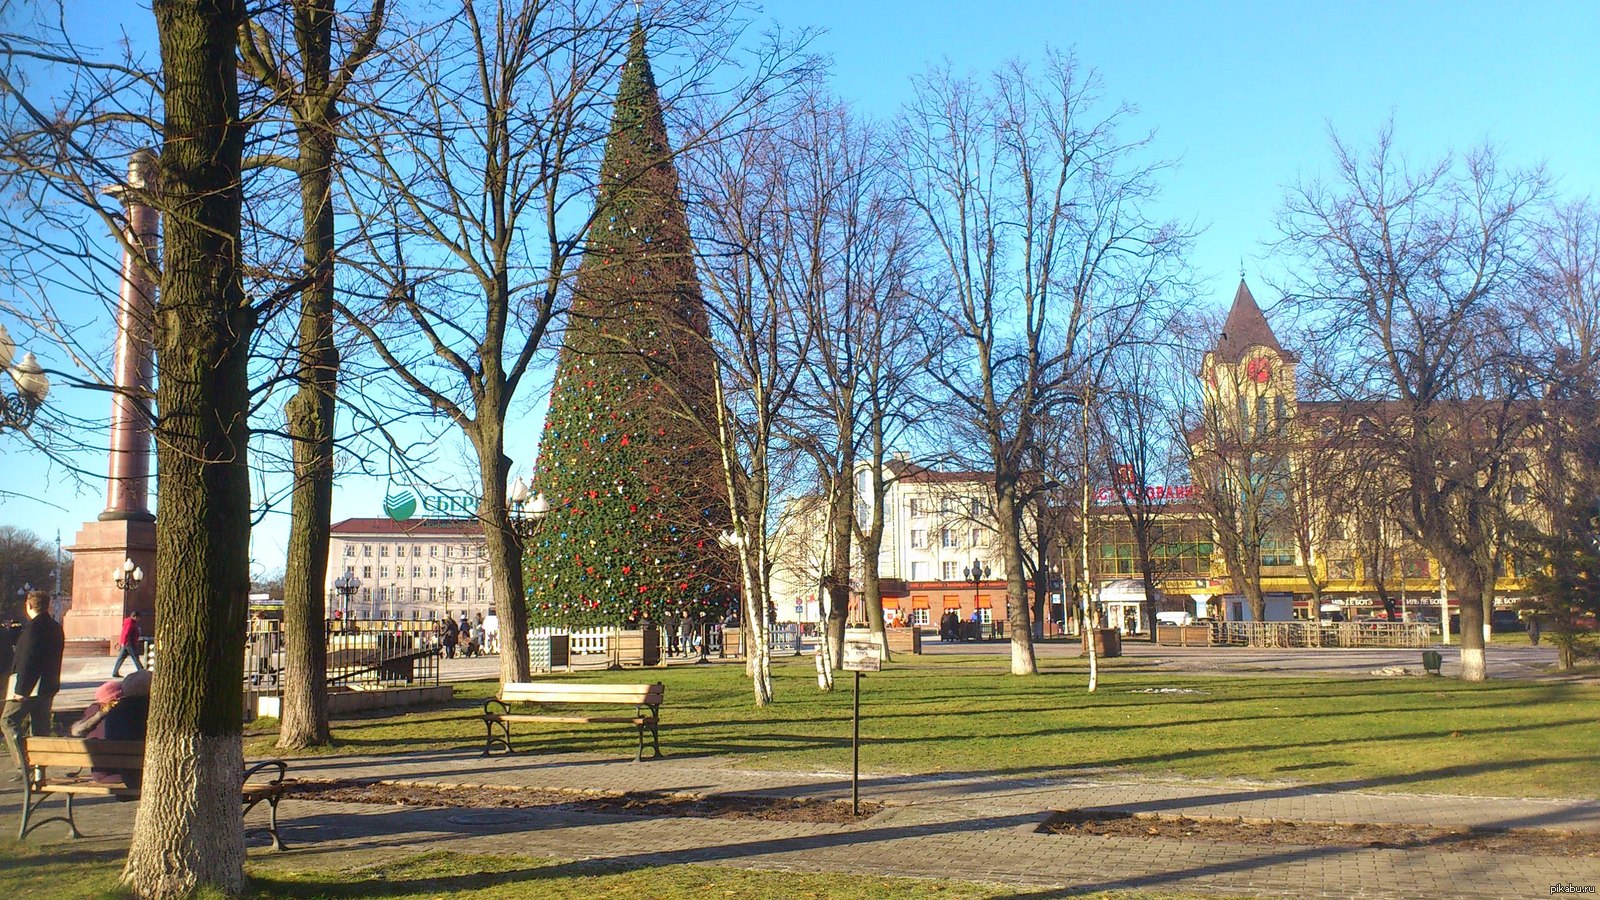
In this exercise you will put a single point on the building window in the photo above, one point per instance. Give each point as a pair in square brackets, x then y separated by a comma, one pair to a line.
[416, 595]
[383, 550]
[480, 595]
[480, 575]
[449, 572]
[349, 549]
[1280, 413]
[416, 571]
[919, 571]
[383, 571]
[919, 538]
[947, 569]
[450, 550]
[383, 594]
[366, 595]
[979, 537]
[947, 538]
[979, 508]
[916, 508]
[366, 571]
[1342, 569]
[986, 615]
[433, 571]
[919, 617]
[416, 549]
[366, 549]
[947, 505]
[433, 549]
[350, 571]
[1277, 552]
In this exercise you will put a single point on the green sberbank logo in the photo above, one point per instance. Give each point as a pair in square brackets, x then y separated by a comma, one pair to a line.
[399, 503]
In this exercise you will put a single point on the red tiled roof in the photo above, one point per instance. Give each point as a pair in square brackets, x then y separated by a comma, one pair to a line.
[381, 525]
[1246, 327]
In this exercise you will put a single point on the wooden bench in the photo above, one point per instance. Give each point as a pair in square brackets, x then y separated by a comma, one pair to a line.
[78, 756]
[640, 696]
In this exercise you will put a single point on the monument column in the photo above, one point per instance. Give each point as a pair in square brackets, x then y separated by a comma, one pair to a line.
[126, 529]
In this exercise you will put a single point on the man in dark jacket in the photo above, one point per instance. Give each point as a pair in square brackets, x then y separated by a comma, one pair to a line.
[38, 678]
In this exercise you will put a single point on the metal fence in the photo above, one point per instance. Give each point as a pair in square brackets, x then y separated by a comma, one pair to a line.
[363, 654]
[1319, 634]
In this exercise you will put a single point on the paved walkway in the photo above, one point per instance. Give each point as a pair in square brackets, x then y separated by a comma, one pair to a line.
[969, 825]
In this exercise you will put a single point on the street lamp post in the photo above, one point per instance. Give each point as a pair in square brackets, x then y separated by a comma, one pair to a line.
[347, 585]
[17, 409]
[976, 573]
[128, 577]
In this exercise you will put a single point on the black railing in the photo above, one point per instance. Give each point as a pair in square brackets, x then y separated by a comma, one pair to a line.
[364, 654]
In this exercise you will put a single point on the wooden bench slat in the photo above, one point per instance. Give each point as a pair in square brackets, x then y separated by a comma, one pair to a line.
[584, 700]
[574, 720]
[66, 760]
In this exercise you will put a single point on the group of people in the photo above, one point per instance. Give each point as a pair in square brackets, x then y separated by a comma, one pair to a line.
[469, 638]
[950, 625]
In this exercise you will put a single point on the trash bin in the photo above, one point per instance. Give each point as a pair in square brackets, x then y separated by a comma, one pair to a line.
[1431, 662]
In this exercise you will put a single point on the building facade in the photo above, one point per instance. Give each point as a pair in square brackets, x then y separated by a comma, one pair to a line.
[417, 569]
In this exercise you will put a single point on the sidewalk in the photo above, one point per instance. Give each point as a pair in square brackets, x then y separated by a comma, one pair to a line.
[977, 826]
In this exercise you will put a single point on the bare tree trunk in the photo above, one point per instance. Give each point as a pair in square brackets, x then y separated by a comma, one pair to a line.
[1022, 659]
[842, 527]
[310, 413]
[187, 833]
[503, 547]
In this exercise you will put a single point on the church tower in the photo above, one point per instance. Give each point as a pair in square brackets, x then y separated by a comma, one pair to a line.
[1249, 379]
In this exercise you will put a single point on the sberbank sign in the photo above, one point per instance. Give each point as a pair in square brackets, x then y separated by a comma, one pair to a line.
[401, 503]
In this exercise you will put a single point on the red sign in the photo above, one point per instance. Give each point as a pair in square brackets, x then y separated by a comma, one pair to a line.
[1155, 493]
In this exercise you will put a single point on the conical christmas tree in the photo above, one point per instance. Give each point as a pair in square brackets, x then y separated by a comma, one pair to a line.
[625, 461]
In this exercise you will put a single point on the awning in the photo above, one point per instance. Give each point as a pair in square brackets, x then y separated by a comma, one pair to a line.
[891, 602]
[919, 602]
[983, 603]
[952, 602]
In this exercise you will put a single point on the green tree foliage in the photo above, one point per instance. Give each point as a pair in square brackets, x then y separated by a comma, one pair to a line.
[631, 478]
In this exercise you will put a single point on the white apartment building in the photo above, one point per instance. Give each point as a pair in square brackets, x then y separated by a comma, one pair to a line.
[937, 525]
[417, 569]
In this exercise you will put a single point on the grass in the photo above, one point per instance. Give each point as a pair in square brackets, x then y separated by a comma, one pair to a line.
[77, 874]
[949, 714]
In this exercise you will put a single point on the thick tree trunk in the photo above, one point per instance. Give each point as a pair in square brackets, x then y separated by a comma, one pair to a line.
[187, 833]
[1018, 619]
[1470, 582]
[311, 413]
[841, 519]
[503, 547]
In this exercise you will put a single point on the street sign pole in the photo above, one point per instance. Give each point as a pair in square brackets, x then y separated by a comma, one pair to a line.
[855, 755]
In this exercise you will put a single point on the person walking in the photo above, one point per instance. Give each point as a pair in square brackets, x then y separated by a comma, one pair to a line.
[451, 633]
[37, 680]
[130, 645]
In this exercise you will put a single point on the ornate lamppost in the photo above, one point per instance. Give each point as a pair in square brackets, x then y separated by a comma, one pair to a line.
[128, 577]
[17, 409]
[346, 585]
[976, 573]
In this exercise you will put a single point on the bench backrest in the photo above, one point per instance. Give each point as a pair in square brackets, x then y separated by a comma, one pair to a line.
[553, 692]
[56, 751]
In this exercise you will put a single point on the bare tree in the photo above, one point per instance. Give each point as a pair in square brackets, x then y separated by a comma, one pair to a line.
[1034, 204]
[187, 832]
[1411, 268]
[291, 52]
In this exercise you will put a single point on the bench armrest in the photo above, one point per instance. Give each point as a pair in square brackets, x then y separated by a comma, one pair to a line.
[495, 701]
[282, 767]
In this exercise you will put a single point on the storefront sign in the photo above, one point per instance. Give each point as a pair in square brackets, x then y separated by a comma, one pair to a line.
[1155, 493]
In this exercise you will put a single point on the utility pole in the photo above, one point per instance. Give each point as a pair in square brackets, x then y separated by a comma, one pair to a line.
[1090, 631]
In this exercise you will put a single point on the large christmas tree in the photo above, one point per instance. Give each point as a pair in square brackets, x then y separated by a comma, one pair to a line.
[625, 462]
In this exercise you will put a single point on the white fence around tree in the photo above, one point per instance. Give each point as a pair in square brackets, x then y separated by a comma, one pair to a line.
[1319, 634]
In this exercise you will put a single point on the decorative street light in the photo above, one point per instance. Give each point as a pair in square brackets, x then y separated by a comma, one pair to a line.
[347, 585]
[128, 577]
[976, 573]
[17, 409]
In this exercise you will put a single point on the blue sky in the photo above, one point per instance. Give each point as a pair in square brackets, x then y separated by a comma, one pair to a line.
[1242, 95]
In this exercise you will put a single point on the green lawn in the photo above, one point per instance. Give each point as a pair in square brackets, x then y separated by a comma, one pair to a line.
[58, 874]
[943, 714]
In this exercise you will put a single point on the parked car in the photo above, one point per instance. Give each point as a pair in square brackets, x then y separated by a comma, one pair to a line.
[1174, 617]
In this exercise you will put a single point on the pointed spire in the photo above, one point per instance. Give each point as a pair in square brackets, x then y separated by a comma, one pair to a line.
[1246, 327]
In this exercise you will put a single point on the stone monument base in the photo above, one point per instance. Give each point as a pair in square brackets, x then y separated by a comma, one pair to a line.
[98, 605]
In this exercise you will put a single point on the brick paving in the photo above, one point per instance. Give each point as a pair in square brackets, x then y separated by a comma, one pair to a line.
[971, 825]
